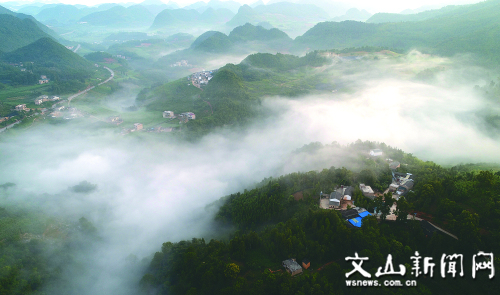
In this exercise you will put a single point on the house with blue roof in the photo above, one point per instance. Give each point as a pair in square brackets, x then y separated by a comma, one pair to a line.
[357, 221]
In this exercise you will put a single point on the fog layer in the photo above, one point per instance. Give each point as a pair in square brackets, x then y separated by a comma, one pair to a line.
[152, 190]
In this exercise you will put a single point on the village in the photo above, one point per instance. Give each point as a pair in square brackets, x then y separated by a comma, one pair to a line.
[200, 79]
[341, 200]
[169, 115]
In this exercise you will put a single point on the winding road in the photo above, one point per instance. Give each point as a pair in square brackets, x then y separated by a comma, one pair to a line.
[90, 88]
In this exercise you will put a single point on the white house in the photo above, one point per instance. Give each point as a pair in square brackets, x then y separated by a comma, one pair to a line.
[375, 153]
[168, 114]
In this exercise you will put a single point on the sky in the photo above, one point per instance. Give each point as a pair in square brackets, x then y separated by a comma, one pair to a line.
[371, 6]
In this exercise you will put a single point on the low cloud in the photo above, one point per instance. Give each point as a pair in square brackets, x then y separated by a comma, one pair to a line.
[150, 190]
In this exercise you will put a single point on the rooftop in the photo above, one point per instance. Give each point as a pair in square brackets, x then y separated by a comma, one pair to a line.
[291, 265]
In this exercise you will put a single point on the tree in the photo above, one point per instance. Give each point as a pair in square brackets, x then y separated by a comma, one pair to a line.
[402, 210]
[467, 228]
[232, 270]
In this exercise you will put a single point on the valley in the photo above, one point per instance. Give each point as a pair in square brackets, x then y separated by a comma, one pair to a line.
[254, 148]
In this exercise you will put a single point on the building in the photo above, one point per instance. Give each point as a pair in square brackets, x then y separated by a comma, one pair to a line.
[393, 187]
[168, 114]
[358, 220]
[55, 98]
[43, 80]
[375, 153]
[367, 191]
[334, 202]
[21, 107]
[138, 126]
[306, 263]
[394, 165]
[405, 187]
[190, 116]
[292, 266]
[38, 101]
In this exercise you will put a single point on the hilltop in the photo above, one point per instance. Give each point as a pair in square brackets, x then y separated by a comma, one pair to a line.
[191, 17]
[16, 32]
[291, 18]
[136, 15]
[47, 53]
[249, 32]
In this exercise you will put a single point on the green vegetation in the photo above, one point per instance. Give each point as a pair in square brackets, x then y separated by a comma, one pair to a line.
[212, 41]
[232, 94]
[450, 10]
[97, 56]
[49, 55]
[272, 226]
[34, 248]
[473, 30]
[17, 32]
[249, 32]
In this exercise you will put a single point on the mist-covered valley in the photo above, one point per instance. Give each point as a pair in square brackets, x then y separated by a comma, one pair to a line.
[144, 190]
[193, 149]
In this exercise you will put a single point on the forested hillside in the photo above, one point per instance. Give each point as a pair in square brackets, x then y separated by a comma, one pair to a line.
[472, 29]
[55, 58]
[18, 32]
[273, 226]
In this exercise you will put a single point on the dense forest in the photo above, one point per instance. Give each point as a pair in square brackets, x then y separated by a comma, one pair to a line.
[271, 226]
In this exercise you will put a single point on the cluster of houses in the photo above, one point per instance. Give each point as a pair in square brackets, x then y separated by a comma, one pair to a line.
[200, 79]
[183, 117]
[21, 107]
[341, 197]
[401, 184]
[43, 80]
[43, 98]
[182, 63]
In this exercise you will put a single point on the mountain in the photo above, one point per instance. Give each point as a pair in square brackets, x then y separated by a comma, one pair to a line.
[201, 6]
[16, 32]
[294, 19]
[191, 17]
[41, 26]
[46, 52]
[136, 15]
[353, 14]
[301, 11]
[221, 15]
[31, 10]
[245, 15]
[443, 12]
[173, 17]
[284, 11]
[157, 6]
[469, 29]
[61, 13]
[257, 3]
[230, 5]
[249, 32]
[212, 41]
